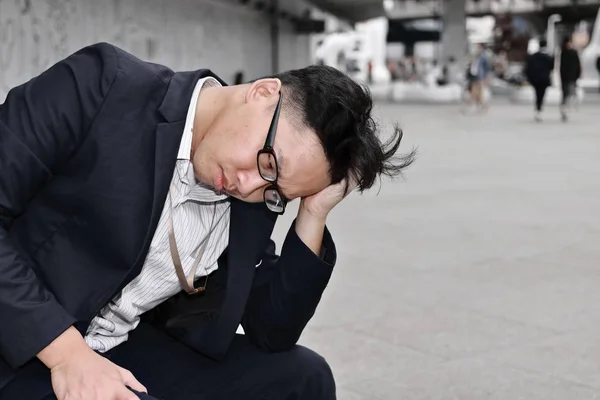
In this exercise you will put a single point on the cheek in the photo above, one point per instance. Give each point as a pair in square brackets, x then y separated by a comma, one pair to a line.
[240, 160]
[231, 150]
[235, 141]
[305, 184]
[316, 175]
[241, 155]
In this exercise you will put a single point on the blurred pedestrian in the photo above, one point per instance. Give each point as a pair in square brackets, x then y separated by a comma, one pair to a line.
[239, 78]
[478, 77]
[538, 70]
[570, 72]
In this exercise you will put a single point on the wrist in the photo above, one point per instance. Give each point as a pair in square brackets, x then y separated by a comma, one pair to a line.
[310, 228]
[307, 214]
[68, 344]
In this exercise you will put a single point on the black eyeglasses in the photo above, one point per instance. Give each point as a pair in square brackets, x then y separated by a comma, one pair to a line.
[268, 168]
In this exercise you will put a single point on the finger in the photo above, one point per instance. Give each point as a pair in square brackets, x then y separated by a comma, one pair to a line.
[129, 380]
[126, 394]
[352, 183]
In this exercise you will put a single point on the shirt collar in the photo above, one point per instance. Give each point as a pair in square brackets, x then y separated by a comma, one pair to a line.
[184, 168]
[185, 147]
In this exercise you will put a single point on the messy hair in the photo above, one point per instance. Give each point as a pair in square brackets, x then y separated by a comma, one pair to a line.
[339, 110]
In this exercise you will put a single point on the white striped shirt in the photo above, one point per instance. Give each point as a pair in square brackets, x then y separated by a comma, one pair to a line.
[193, 210]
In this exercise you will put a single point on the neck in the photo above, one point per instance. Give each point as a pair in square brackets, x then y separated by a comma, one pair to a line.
[211, 101]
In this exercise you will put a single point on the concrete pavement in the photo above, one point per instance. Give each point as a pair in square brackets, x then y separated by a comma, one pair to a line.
[478, 275]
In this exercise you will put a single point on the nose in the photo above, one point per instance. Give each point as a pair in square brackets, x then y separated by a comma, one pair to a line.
[249, 182]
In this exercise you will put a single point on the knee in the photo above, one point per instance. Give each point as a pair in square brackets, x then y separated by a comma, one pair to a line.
[313, 374]
[311, 363]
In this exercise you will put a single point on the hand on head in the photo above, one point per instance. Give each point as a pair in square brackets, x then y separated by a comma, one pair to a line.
[323, 131]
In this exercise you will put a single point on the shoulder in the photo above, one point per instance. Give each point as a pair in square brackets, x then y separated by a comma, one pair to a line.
[121, 61]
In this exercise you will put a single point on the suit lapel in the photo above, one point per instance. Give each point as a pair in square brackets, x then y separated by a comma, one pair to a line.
[168, 136]
[250, 227]
[250, 230]
[174, 109]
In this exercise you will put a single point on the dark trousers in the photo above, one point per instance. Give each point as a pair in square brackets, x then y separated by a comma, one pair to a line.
[568, 90]
[173, 371]
[540, 93]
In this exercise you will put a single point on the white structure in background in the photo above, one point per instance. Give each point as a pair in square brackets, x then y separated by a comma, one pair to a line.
[480, 30]
[589, 55]
[334, 48]
[332, 38]
[554, 44]
[533, 45]
[375, 32]
[351, 51]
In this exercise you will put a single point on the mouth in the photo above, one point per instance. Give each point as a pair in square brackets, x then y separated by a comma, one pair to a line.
[219, 181]
[221, 184]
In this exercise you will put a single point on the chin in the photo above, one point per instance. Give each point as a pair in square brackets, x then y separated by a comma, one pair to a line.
[203, 181]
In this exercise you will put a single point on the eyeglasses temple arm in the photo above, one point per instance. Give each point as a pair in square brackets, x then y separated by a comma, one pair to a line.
[273, 126]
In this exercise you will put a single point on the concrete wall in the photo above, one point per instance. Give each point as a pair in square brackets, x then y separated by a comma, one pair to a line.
[183, 34]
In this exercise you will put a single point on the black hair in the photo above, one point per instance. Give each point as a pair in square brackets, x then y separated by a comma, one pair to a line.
[566, 42]
[338, 109]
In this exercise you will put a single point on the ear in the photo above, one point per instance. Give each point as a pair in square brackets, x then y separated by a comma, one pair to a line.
[263, 89]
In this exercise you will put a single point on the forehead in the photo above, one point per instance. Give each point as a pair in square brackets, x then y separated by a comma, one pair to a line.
[303, 167]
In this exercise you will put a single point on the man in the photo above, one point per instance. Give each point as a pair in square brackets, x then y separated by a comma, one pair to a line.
[478, 75]
[570, 72]
[538, 69]
[136, 207]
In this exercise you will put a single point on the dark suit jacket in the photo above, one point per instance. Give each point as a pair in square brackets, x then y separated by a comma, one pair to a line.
[538, 68]
[570, 66]
[87, 152]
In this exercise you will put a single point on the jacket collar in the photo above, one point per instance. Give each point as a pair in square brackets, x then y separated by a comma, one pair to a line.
[251, 224]
[250, 227]
[173, 108]
[175, 105]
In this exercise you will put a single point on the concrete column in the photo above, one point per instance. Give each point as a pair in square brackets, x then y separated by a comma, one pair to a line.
[275, 38]
[454, 35]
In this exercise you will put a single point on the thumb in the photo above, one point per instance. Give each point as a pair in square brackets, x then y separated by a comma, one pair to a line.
[129, 380]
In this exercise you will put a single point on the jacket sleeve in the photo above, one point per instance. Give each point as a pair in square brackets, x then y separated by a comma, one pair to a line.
[42, 123]
[286, 292]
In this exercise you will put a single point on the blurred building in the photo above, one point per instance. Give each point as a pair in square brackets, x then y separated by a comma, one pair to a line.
[229, 36]
[433, 31]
